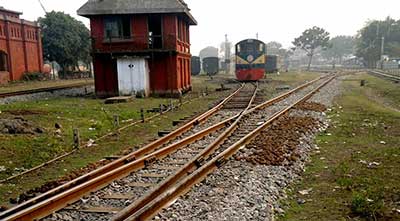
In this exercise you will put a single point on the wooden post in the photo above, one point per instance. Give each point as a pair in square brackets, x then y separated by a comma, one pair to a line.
[142, 115]
[116, 121]
[171, 105]
[206, 91]
[180, 101]
[161, 109]
[77, 140]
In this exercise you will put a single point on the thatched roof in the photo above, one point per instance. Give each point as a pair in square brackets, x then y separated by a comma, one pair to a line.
[114, 7]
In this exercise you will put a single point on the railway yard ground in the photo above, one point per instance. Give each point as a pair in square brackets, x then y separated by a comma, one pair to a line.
[32, 85]
[333, 157]
[353, 172]
[41, 140]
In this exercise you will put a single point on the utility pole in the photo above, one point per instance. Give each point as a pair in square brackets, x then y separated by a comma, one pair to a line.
[227, 54]
[44, 9]
[382, 50]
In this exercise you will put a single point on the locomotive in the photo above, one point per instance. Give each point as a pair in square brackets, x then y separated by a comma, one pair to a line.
[250, 60]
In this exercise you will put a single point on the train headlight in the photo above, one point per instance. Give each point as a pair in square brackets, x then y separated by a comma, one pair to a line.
[250, 58]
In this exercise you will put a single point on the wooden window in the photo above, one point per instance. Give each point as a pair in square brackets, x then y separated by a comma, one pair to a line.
[179, 29]
[184, 31]
[117, 27]
[3, 61]
[187, 33]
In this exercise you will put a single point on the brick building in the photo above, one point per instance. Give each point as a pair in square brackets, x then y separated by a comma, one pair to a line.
[140, 46]
[20, 46]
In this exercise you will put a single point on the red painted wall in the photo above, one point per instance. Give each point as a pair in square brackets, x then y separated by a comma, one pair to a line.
[169, 67]
[106, 82]
[20, 40]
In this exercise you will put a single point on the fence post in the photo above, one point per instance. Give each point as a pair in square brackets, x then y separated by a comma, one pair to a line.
[116, 121]
[77, 140]
[171, 105]
[142, 115]
[180, 100]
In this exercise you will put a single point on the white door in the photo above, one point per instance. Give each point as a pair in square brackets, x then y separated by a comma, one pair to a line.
[133, 76]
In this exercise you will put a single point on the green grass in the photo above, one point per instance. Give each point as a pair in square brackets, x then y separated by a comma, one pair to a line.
[344, 187]
[293, 77]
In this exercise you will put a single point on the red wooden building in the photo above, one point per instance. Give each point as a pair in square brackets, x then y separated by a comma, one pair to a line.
[140, 46]
[20, 46]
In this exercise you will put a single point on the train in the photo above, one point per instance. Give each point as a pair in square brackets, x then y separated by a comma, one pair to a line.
[211, 65]
[196, 65]
[250, 60]
[272, 64]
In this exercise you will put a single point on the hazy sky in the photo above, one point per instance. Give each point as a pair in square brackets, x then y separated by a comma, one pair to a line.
[274, 20]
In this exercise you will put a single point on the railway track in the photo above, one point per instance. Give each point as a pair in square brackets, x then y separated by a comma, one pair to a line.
[40, 90]
[144, 176]
[393, 78]
[183, 131]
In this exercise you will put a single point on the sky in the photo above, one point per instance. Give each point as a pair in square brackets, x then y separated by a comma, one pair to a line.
[273, 20]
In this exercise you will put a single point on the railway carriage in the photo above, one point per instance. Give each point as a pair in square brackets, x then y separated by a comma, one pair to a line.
[196, 65]
[250, 60]
[211, 65]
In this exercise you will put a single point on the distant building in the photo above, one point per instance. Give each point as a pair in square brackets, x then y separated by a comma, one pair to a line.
[140, 46]
[20, 46]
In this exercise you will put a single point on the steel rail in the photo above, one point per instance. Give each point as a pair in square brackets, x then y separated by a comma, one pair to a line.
[132, 161]
[186, 169]
[123, 160]
[170, 195]
[196, 162]
[40, 90]
[391, 77]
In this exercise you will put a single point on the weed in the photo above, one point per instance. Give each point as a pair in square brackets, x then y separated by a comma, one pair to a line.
[366, 204]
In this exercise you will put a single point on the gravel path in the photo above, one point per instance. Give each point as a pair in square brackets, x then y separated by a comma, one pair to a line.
[245, 191]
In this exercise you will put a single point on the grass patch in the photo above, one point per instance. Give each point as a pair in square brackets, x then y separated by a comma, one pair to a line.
[355, 175]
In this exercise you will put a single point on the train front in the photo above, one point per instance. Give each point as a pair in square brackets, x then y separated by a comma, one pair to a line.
[250, 60]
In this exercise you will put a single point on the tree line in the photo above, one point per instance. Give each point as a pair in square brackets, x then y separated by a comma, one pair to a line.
[375, 39]
[67, 42]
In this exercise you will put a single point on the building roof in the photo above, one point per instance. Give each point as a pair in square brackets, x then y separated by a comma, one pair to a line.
[9, 11]
[114, 7]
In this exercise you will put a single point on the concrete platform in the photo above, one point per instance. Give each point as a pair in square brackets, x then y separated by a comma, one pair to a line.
[116, 100]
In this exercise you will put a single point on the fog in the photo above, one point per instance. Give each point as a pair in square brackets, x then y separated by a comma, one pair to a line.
[280, 21]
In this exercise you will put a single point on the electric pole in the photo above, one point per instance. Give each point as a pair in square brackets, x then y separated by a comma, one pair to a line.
[382, 50]
[227, 54]
[44, 9]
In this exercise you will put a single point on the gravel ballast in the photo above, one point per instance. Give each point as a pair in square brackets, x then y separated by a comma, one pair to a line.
[243, 190]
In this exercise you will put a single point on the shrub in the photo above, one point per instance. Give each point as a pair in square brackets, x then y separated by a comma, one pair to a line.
[364, 205]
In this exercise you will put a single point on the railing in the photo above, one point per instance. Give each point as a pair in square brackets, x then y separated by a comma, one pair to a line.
[135, 43]
[395, 72]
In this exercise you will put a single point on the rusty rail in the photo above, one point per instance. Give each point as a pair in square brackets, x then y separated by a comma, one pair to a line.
[385, 75]
[121, 161]
[168, 196]
[187, 168]
[40, 90]
[57, 198]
